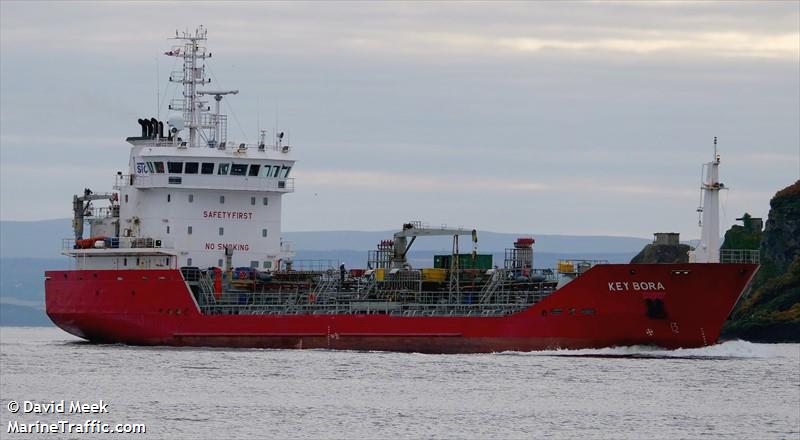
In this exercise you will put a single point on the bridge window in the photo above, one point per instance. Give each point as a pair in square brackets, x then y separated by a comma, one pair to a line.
[159, 167]
[222, 199]
[252, 200]
[268, 265]
[263, 232]
[191, 168]
[150, 167]
[275, 170]
[254, 170]
[175, 167]
[223, 169]
[286, 171]
[207, 168]
[266, 201]
[266, 170]
[221, 231]
[238, 169]
[189, 230]
[254, 264]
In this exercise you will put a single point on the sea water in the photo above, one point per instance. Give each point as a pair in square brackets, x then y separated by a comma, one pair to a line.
[733, 390]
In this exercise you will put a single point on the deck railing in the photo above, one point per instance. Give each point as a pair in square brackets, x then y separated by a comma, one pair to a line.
[123, 243]
[205, 181]
[327, 293]
[749, 256]
[332, 302]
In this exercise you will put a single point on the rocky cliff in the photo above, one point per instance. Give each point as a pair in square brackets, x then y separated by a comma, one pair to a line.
[770, 310]
[663, 253]
[745, 236]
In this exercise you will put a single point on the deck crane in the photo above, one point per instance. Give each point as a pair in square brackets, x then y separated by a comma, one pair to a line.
[416, 229]
[82, 208]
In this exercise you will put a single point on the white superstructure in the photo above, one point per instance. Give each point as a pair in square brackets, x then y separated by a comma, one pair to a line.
[190, 193]
[707, 250]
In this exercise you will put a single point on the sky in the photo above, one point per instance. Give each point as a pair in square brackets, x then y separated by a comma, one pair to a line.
[530, 117]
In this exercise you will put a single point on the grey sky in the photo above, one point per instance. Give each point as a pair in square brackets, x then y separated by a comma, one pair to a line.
[572, 118]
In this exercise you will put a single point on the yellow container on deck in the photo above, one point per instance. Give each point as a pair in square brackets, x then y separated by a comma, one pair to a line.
[434, 274]
[379, 274]
[566, 267]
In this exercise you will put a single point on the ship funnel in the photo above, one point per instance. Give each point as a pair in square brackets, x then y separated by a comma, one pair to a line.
[153, 128]
[142, 123]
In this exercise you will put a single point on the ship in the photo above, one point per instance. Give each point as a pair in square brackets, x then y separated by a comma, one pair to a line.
[186, 250]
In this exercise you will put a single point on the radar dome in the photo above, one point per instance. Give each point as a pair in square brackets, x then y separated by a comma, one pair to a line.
[176, 122]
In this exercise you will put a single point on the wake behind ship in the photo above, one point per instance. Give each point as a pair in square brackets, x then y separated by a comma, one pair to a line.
[187, 252]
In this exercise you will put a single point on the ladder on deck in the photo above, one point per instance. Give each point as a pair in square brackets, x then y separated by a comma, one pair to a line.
[324, 286]
[491, 286]
[371, 284]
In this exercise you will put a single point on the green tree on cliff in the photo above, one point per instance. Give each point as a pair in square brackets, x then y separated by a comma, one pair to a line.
[771, 312]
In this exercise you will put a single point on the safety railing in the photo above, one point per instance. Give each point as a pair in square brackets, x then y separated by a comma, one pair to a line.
[749, 256]
[332, 302]
[205, 181]
[118, 243]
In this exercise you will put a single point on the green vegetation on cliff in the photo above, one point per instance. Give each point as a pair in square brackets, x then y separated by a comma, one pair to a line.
[770, 312]
[663, 253]
[745, 236]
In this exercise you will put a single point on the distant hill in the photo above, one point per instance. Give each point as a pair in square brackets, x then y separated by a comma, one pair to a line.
[487, 241]
[14, 315]
[34, 239]
[22, 279]
[27, 249]
[42, 239]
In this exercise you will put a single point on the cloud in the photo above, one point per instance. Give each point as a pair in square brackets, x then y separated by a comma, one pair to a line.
[461, 184]
[392, 29]
[567, 117]
[737, 44]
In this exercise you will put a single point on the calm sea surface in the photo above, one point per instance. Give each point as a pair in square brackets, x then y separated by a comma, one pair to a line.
[733, 390]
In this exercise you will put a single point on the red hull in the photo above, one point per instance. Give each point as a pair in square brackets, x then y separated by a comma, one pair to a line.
[154, 307]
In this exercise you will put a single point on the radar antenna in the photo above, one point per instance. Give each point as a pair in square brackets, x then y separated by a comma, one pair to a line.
[194, 109]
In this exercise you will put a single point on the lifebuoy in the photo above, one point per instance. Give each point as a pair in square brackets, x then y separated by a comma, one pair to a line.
[242, 275]
[312, 298]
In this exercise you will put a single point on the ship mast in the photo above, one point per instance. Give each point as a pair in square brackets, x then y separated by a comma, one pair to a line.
[708, 249]
[194, 53]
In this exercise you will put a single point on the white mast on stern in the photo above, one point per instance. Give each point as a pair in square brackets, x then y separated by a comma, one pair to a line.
[708, 249]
